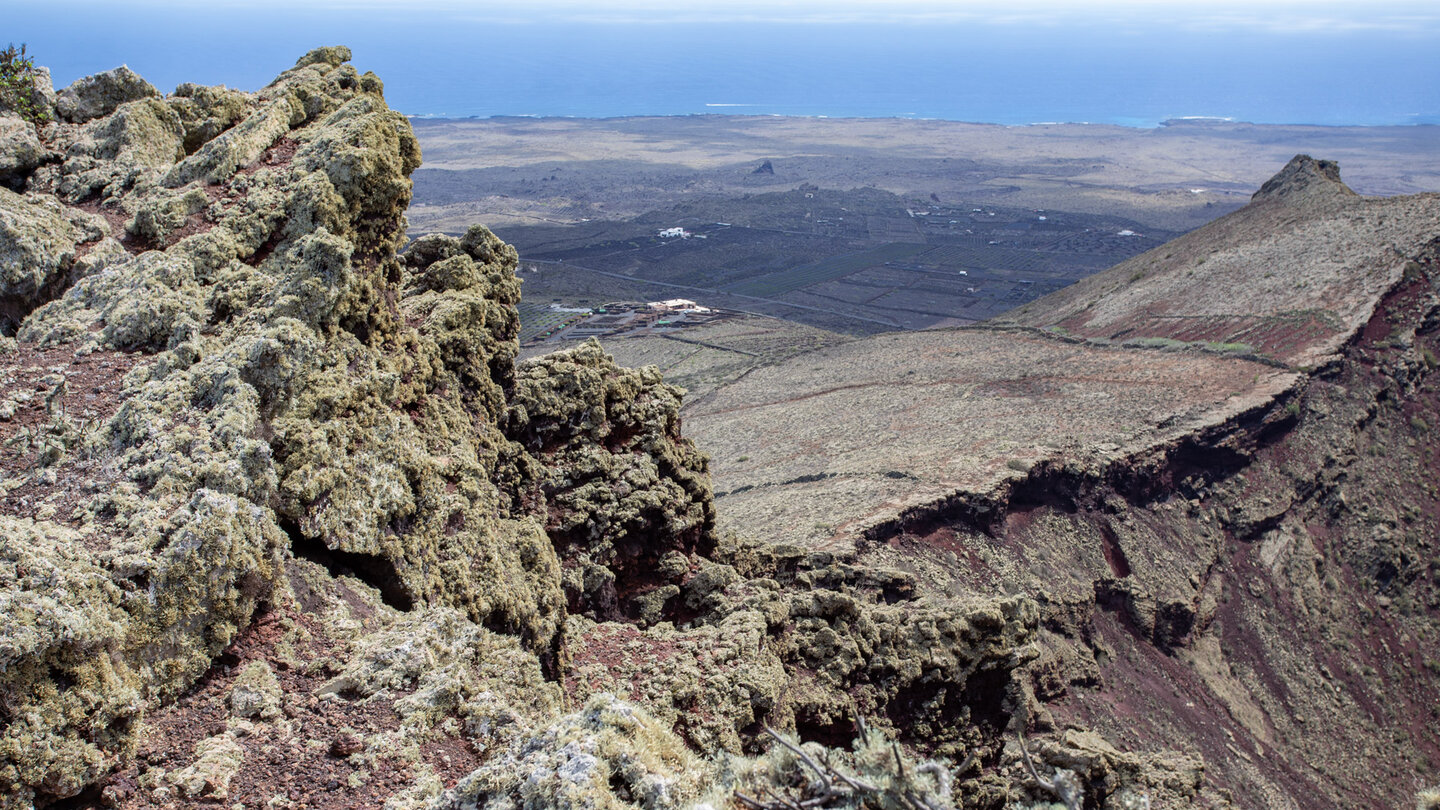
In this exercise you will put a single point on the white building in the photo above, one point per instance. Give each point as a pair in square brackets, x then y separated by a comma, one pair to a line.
[677, 305]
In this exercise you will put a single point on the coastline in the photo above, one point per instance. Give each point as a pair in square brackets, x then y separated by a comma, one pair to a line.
[1174, 121]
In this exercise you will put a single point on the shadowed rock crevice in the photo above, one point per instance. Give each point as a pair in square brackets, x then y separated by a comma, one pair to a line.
[14, 311]
[371, 569]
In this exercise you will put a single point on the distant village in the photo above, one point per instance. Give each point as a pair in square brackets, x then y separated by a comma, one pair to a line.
[619, 318]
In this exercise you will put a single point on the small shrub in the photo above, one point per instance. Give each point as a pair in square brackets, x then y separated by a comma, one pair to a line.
[17, 85]
[1156, 343]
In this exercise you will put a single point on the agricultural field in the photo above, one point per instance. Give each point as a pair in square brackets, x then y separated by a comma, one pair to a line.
[818, 263]
[829, 269]
[538, 319]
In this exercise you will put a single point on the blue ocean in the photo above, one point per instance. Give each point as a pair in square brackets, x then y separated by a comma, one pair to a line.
[452, 64]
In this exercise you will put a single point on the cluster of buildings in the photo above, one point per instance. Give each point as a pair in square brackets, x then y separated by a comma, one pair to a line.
[632, 318]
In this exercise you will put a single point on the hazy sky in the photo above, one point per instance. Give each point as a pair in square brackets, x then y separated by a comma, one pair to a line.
[428, 51]
[1284, 14]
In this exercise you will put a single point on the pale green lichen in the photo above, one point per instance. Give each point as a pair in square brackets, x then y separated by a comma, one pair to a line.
[871, 772]
[37, 250]
[810, 644]
[21, 152]
[435, 664]
[111, 154]
[256, 692]
[68, 701]
[608, 755]
[1108, 777]
[287, 400]
[624, 487]
[93, 96]
[217, 761]
[708, 683]
[205, 112]
[223, 155]
[140, 302]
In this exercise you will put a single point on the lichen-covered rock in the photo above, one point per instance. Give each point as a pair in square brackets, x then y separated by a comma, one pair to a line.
[880, 775]
[608, 755]
[436, 667]
[708, 683]
[463, 292]
[43, 96]
[205, 112]
[20, 151]
[303, 390]
[100, 94]
[801, 641]
[68, 702]
[223, 155]
[139, 302]
[624, 488]
[256, 692]
[116, 151]
[437, 650]
[217, 760]
[1101, 776]
[38, 247]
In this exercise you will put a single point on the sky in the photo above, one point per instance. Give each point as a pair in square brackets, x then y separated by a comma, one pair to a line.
[1210, 14]
[567, 57]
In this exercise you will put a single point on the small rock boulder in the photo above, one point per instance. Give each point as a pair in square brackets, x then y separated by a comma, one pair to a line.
[102, 94]
[256, 692]
[37, 249]
[217, 760]
[20, 151]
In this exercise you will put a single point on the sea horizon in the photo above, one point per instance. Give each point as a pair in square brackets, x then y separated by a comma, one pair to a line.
[1124, 69]
[1180, 120]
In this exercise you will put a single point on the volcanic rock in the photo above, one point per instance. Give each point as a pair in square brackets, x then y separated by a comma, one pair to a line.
[100, 94]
